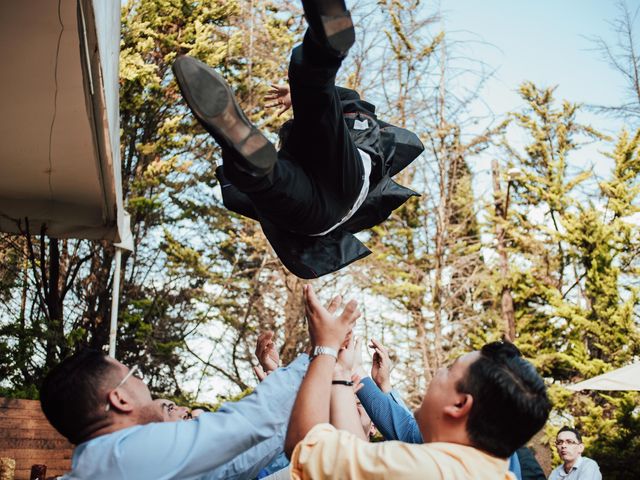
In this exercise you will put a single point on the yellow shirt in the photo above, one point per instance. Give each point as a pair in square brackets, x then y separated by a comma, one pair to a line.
[329, 453]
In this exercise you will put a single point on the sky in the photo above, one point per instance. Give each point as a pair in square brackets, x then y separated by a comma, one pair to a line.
[547, 42]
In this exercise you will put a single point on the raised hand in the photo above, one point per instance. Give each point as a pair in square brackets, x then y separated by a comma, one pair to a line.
[347, 355]
[278, 96]
[381, 366]
[358, 367]
[357, 382]
[267, 355]
[325, 328]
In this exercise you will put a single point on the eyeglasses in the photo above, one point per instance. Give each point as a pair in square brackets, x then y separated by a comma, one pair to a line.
[559, 443]
[135, 370]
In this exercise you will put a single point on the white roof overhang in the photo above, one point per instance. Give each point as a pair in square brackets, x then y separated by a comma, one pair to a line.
[59, 122]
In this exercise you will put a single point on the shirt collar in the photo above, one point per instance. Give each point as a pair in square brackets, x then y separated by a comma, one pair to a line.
[576, 466]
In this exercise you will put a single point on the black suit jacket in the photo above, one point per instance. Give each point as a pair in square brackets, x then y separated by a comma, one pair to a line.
[391, 149]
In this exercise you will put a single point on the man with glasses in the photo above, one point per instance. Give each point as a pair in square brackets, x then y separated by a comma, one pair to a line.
[575, 466]
[106, 410]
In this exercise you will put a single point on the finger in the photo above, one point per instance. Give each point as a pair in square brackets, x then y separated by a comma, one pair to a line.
[259, 342]
[382, 357]
[376, 358]
[334, 304]
[266, 348]
[264, 340]
[312, 300]
[283, 109]
[357, 382]
[347, 339]
[379, 346]
[259, 373]
[350, 313]
[385, 355]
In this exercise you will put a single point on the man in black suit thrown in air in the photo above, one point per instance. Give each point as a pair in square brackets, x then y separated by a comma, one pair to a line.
[332, 176]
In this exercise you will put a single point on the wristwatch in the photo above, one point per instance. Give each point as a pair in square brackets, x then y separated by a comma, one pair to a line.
[324, 351]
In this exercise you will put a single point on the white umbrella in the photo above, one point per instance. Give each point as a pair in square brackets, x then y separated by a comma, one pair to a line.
[625, 378]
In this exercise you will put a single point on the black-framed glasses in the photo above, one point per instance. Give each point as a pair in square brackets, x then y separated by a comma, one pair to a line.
[135, 370]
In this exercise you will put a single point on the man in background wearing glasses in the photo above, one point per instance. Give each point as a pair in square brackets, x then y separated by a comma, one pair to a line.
[575, 466]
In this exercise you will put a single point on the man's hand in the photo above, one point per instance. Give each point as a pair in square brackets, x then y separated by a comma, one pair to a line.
[346, 359]
[267, 355]
[358, 367]
[325, 328]
[381, 366]
[279, 96]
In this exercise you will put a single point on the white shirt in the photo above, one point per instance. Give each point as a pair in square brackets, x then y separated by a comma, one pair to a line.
[364, 191]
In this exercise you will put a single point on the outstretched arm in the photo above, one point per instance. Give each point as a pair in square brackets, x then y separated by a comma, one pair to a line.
[344, 412]
[234, 442]
[392, 420]
[312, 405]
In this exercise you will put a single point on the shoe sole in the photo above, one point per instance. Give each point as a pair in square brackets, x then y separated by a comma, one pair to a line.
[211, 100]
[334, 22]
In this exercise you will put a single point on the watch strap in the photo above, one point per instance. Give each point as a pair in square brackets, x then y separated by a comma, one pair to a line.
[320, 350]
[348, 383]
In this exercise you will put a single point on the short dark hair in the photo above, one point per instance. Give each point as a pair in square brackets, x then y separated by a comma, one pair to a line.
[70, 395]
[510, 402]
[573, 430]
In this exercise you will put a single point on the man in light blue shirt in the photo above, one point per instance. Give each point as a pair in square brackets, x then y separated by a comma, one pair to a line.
[105, 409]
[575, 466]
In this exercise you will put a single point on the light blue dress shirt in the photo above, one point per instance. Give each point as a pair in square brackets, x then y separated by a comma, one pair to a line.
[234, 442]
[584, 469]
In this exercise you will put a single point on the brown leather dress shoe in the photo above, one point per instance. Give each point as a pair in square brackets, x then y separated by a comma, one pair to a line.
[212, 102]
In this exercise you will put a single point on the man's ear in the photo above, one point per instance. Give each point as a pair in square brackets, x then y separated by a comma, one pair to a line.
[461, 407]
[120, 400]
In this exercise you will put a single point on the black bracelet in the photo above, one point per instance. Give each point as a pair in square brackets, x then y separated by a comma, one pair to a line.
[348, 383]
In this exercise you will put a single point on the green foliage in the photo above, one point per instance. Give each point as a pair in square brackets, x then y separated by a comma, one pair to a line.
[572, 260]
[616, 447]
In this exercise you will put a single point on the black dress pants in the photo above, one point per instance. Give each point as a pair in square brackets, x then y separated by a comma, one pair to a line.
[319, 173]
